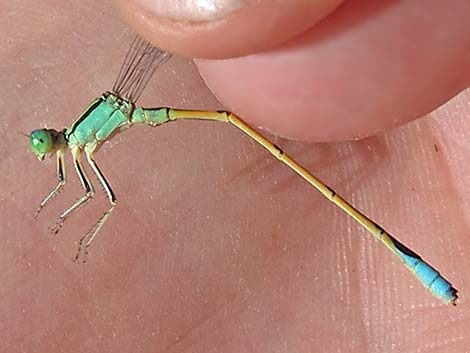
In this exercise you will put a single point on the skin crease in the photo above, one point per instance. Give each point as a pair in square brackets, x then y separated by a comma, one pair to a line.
[214, 246]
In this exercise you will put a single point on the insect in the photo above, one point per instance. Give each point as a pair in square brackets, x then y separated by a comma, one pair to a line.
[116, 111]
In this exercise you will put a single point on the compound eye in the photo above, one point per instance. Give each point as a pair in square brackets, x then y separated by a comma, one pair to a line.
[40, 142]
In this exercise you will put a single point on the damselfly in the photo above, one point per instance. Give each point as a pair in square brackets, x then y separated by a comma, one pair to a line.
[115, 111]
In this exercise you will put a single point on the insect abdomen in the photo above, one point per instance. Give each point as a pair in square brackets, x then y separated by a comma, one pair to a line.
[152, 117]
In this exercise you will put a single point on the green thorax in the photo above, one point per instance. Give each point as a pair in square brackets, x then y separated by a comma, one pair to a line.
[104, 117]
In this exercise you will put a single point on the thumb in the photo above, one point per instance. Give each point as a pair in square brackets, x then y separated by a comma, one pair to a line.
[222, 28]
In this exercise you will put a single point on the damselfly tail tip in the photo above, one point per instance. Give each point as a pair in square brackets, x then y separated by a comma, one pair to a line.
[454, 296]
[449, 296]
[444, 290]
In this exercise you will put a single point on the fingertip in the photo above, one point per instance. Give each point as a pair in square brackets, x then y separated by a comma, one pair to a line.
[185, 28]
[365, 69]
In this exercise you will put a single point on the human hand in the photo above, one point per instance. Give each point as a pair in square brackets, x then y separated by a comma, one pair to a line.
[367, 67]
[214, 245]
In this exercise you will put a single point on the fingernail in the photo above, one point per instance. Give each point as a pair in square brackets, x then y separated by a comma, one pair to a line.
[192, 10]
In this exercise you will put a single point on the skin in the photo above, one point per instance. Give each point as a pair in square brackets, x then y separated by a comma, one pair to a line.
[214, 246]
[387, 62]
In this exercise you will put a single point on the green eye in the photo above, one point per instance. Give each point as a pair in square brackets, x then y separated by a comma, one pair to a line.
[40, 142]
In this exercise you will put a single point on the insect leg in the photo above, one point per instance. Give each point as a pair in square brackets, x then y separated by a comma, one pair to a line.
[61, 176]
[87, 186]
[90, 236]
